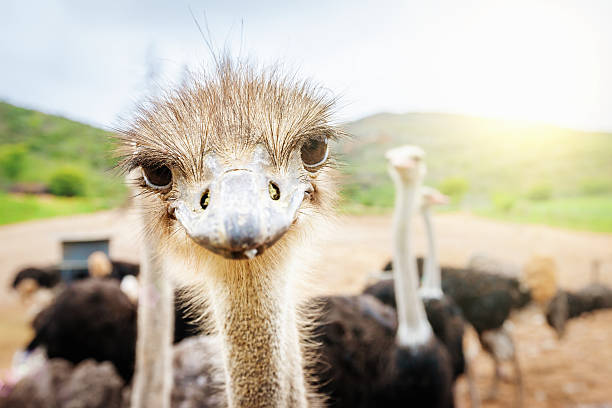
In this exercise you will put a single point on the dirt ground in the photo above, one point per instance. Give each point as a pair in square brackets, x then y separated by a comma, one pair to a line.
[573, 372]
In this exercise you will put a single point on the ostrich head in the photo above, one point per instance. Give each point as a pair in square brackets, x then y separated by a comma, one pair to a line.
[406, 162]
[431, 197]
[232, 163]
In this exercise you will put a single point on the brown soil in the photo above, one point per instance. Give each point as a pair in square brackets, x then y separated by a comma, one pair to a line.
[576, 371]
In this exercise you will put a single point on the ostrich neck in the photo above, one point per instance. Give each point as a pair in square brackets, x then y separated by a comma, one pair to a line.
[432, 281]
[413, 328]
[153, 374]
[256, 318]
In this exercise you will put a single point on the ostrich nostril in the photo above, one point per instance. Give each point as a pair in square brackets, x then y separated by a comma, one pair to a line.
[274, 191]
[205, 200]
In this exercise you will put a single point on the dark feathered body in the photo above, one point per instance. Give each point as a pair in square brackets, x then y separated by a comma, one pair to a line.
[485, 299]
[362, 366]
[89, 319]
[121, 269]
[93, 318]
[45, 277]
[568, 305]
[444, 316]
[49, 277]
[448, 325]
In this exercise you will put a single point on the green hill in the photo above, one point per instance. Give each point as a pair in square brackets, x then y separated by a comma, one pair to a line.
[506, 165]
[59, 154]
[513, 170]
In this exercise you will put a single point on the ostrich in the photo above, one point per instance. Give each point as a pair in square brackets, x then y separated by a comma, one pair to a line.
[94, 319]
[567, 305]
[44, 277]
[91, 318]
[426, 358]
[236, 179]
[376, 357]
[484, 298]
[443, 314]
[486, 301]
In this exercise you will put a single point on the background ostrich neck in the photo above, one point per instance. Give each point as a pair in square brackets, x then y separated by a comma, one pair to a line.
[413, 328]
[432, 284]
[153, 376]
[256, 318]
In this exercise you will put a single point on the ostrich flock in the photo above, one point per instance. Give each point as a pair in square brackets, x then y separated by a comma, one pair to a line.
[237, 182]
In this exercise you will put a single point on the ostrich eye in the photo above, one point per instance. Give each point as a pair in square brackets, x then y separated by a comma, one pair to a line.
[314, 153]
[159, 177]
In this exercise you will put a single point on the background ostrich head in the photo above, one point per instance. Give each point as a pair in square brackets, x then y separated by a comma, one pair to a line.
[233, 162]
[407, 162]
[431, 197]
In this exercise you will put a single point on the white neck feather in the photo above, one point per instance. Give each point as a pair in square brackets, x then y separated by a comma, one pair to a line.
[413, 327]
[432, 280]
[153, 374]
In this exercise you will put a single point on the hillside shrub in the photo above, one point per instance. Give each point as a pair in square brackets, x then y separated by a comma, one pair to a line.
[596, 186]
[12, 160]
[67, 181]
[455, 187]
[540, 192]
[503, 202]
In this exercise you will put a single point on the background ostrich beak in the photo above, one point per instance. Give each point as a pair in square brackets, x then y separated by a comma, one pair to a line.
[440, 199]
[241, 213]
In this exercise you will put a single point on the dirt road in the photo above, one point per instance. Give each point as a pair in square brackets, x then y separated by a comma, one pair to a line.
[577, 370]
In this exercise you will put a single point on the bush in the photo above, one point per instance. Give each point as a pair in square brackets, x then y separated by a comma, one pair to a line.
[67, 181]
[455, 187]
[540, 192]
[503, 202]
[12, 160]
[595, 186]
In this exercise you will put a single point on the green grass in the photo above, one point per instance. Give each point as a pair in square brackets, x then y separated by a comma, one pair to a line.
[17, 208]
[589, 213]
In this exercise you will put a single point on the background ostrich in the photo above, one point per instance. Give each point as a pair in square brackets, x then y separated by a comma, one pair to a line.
[567, 305]
[44, 277]
[89, 319]
[486, 301]
[427, 361]
[375, 357]
[443, 314]
[484, 297]
[235, 178]
[390, 364]
[94, 319]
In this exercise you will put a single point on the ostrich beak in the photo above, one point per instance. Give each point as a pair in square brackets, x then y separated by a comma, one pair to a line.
[440, 199]
[242, 212]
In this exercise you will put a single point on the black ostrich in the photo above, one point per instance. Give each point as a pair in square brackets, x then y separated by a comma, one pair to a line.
[442, 312]
[44, 277]
[567, 305]
[121, 269]
[486, 301]
[50, 276]
[371, 359]
[361, 364]
[94, 319]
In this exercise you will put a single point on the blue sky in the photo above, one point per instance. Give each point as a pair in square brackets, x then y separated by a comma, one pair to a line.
[540, 60]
